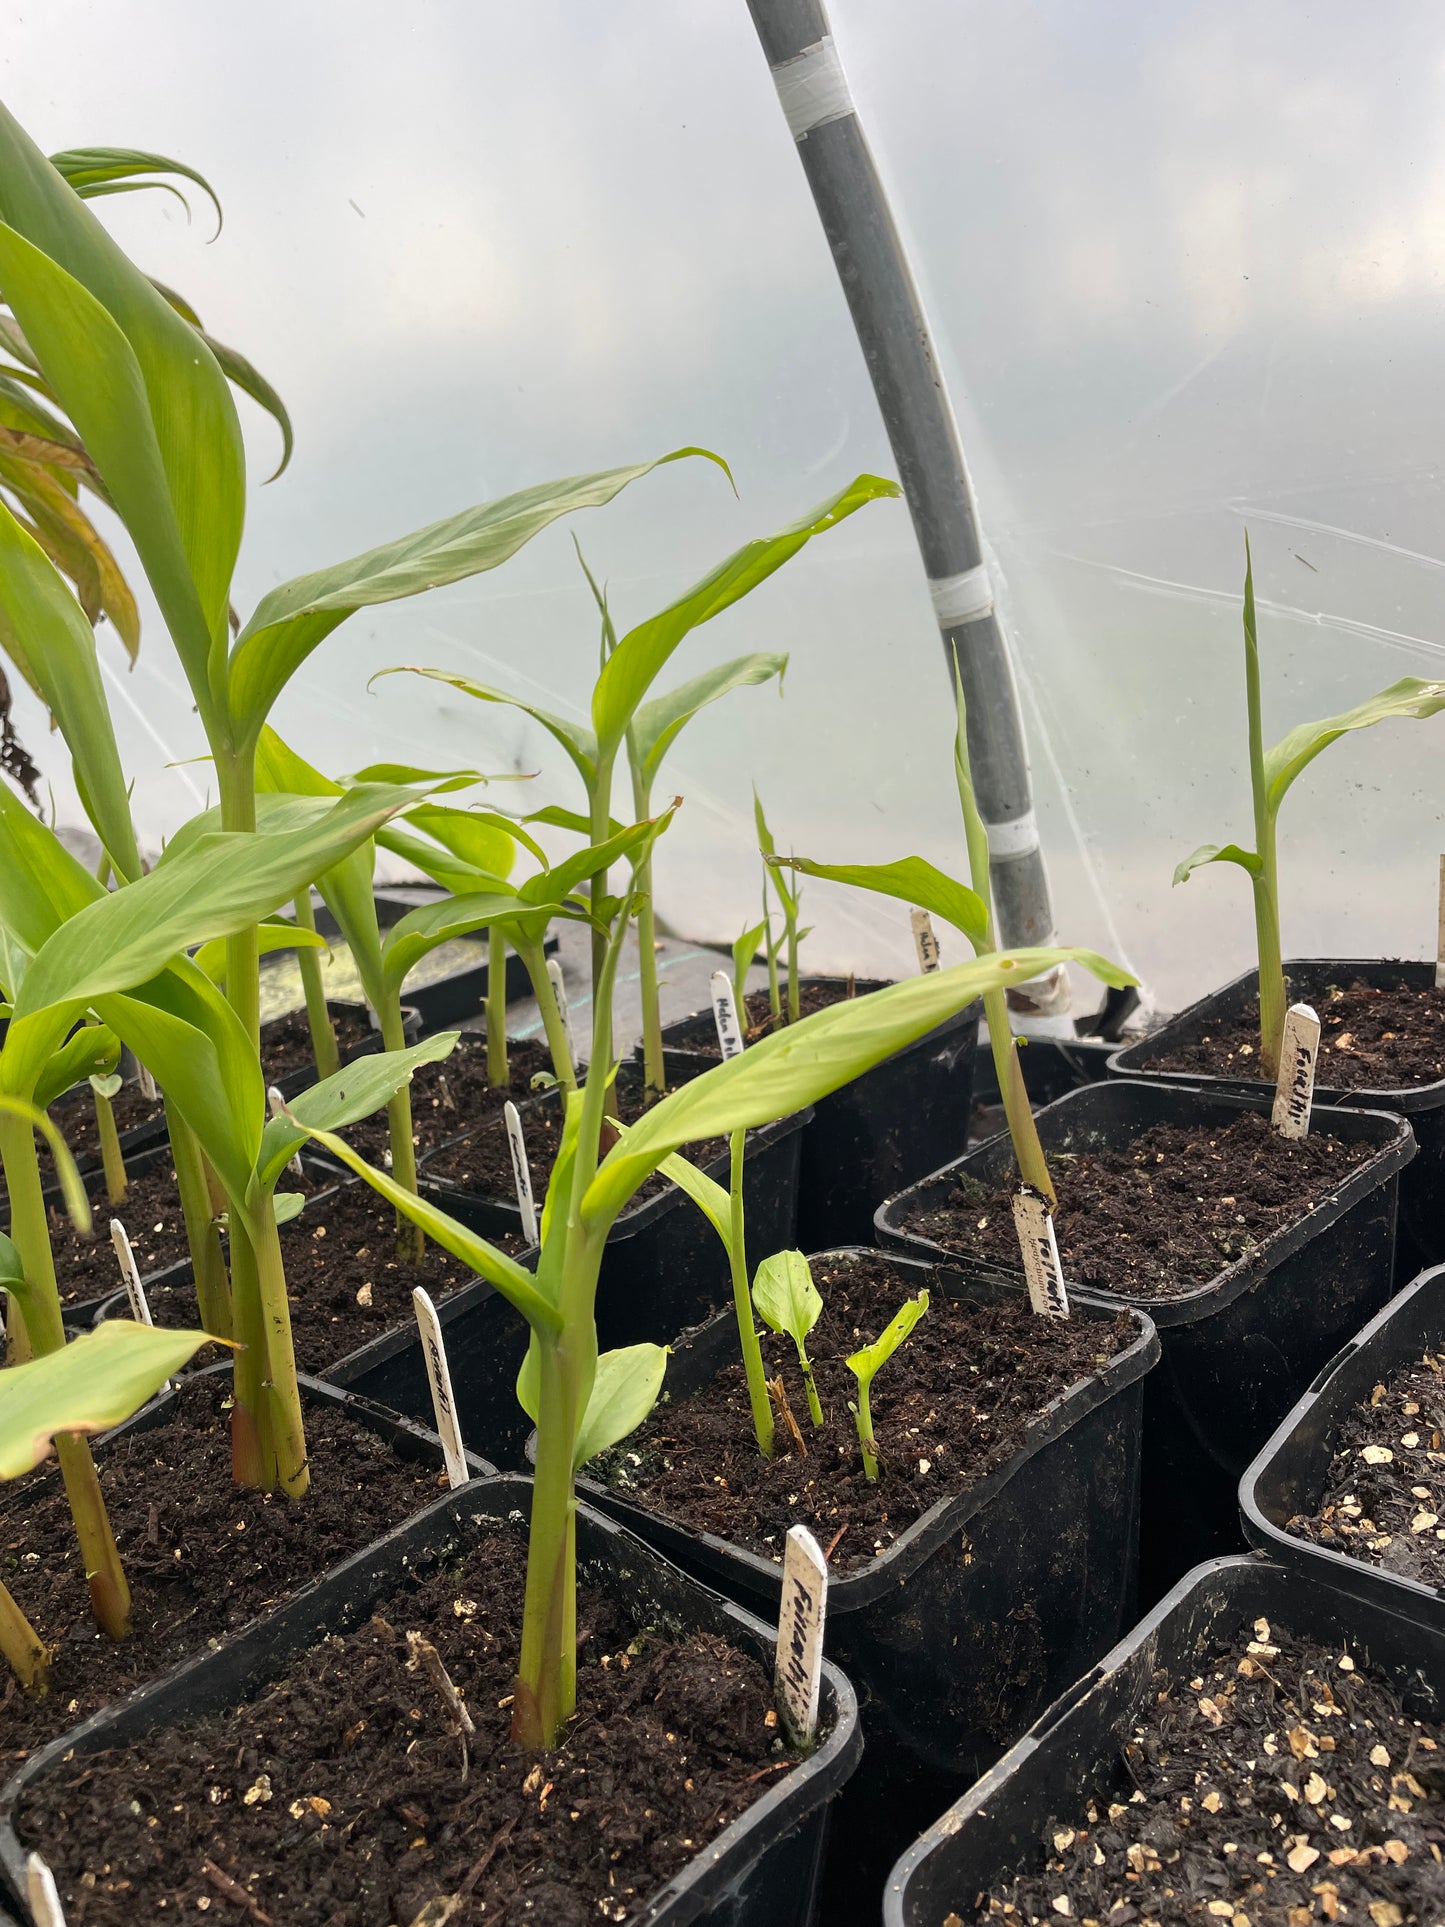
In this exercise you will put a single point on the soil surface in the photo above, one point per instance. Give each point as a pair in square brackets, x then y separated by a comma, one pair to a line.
[151, 1214]
[1168, 1214]
[74, 1116]
[482, 1162]
[1385, 1497]
[450, 1097]
[954, 1402]
[344, 1280]
[1370, 1039]
[1279, 1786]
[339, 1797]
[701, 1038]
[286, 1041]
[203, 1558]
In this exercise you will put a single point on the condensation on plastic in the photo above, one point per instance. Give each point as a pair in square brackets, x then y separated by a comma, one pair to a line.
[1186, 268]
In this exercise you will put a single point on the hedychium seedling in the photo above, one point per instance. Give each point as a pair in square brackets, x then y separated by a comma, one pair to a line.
[582, 1403]
[745, 950]
[788, 1301]
[790, 900]
[864, 1366]
[1271, 772]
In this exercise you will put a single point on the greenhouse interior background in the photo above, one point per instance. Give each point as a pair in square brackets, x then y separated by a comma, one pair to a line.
[1183, 265]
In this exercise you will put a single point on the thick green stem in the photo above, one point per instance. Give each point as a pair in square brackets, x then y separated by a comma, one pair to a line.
[410, 1240]
[534, 957]
[273, 1399]
[203, 1234]
[112, 1160]
[318, 1017]
[775, 998]
[22, 1648]
[498, 1070]
[863, 1418]
[1272, 997]
[236, 776]
[18, 1349]
[753, 1367]
[1028, 1151]
[253, 1457]
[815, 1405]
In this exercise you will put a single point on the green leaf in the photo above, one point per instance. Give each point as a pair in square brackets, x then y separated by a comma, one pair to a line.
[788, 896]
[559, 818]
[41, 883]
[710, 1197]
[211, 957]
[483, 838]
[12, 1271]
[89, 1385]
[106, 1087]
[91, 1048]
[624, 1391]
[440, 865]
[94, 170]
[73, 1193]
[1410, 698]
[248, 378]
[420, 931]
[786, 1297]
[437, 781]
[745, 948]
[357, 1090]
[863, 1364]
[656, 725]
[1217, 853]
[913, 880]
[630, 670]
[805, 1061]
[292, 620]
[286, 1206]
[575, 738]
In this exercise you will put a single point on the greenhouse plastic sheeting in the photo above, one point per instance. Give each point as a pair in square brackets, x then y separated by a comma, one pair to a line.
[1186, 270]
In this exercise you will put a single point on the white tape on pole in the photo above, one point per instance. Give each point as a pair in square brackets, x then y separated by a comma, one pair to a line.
[1015, 836]
[439, 1376]
[967, 597]
[812, 88]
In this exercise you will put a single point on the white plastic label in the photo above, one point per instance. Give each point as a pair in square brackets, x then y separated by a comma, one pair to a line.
[1294, 1091]
[559, 991]
[521, 1171]
[276, 1104]
[725, 1015]
[1035, 1225]
[40, 1890]
[148, 1086]
[440, 1378]
[1440, 933]
[798, 1671]
[135, 1291]
[924, 941]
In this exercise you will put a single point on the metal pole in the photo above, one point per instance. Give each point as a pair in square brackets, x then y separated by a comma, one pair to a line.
[893, 333]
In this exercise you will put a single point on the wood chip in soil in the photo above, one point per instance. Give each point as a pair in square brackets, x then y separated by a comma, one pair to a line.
[1279, 1786]
[1164, 1216]
[1371, 1038]
[701, 1035]
[449, 1097]
[952, 1404]
[338, 1795]
[1384, 1499]
[203, 1558]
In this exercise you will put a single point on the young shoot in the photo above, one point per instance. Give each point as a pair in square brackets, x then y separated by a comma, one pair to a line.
[318, 1017]
[112, 1162]
[1271, 772]
[789, 901]
[864, 1365]
[745, 949]
[788, 1301]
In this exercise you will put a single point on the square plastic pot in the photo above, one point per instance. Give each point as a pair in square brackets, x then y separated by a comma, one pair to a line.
[1289, 1475]
[762, 1871]
[1000, 1826]
[878, 1132]
[1238, 1350]
[1421, 1239]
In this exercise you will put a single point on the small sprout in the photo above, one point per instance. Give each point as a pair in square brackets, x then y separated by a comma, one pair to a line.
[787, 1300]
[865, 1363]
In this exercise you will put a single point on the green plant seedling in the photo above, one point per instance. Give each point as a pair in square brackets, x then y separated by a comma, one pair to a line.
[745, 949]
[1271, 772]
[789, 902]
[864, 1365]
[112, 1162]
[788, 1301]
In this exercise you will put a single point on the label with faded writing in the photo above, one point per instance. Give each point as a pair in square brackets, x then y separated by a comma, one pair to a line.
[440, 1379]
[924, 941]
[1034, 1223]
[521, 1171]
[798, 1671]
[135, 1291]
[559, 991]
[1294, 1091]
[276, 1104]
[725, 1015]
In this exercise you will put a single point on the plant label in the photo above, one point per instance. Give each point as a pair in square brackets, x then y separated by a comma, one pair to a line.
[798, 1671]
[1294, 1092]
[148, 1084]
[135, 1291]
[276, 1105]
[924, 941]
[725, 1015]
[40, 1891]
[1034, 1223]
[1440, 933]
[559, 991]
[440, 1379]
[521, 1171]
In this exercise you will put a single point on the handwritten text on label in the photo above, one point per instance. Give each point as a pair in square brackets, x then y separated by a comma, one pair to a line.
[440, 1378]
[1045, 1274]
[925, 942]
[798, 1671]
[521, 1171]
[1299, 1051]
[725, 1015]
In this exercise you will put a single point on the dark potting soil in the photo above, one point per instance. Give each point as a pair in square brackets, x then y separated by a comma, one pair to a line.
[1280, 1786]
[1370, 1039]
[482, 1162]
[340, 1794]
[74, 1116]
[449, 1097]
[203, 1558]
[344, 1281]
[760, 1021]
[286, 1041]
[954, 1402]
[1384, 1499]
[1181, 1204]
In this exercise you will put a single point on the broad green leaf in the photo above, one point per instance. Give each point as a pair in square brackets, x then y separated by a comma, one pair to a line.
[420, 931]
[863, 1364]
[1216, 853]
[73, 1193]
[558, 818]
[92, 1048]
[292, 620]
[356, 1091]
[286, 1206]
[280, 771]
[1409, 698]
[482, 838]
[656, 725]
[89, 1385]
[91, 170]
[786, 1297]
[624, 1391]
[642, 652]
[246, 376]
[41, 883]
[437, 781]
[106, 1087]
[70, 538]
[575, 738]
[211, 957]
[805, 1061]
[745, 948]
[438, 864]
[710, 1197]
[912, 879]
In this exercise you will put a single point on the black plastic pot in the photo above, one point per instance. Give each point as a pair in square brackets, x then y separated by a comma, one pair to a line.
[878, 1132]
[301, 1080]
[1239, 1350]
[1001, 1826]
[760, 1872]
[1289, 1475]
[977, 1615]
[1052, 1066]
[1421, 1239]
